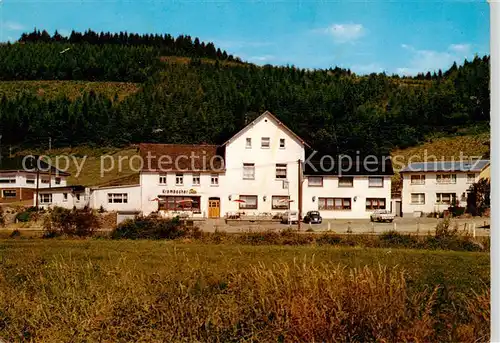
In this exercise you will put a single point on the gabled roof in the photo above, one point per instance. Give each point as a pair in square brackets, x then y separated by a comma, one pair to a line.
[335, 166]
[181, 158]
[276, 120]
[28, 164]
[446, 166]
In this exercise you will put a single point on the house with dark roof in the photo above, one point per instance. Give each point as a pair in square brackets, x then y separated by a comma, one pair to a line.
[21, 176]
[347, 187]
[434, 186]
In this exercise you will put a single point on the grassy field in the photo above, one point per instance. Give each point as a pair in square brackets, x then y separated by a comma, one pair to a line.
[71, 89]
[160, 291]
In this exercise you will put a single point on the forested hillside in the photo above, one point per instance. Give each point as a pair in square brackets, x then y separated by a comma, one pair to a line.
[197, 102]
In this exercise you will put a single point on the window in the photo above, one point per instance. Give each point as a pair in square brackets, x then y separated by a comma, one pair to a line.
[78, 197]
[417, 180]
[265, 142]
[180, 203]
[248, 171]
[162, 179]
[65, 196]
[45, 180]
[446, 178]
[281, 171]
[375, 203]
[11, 178]
[282, 143]
[280, 202]
[30, 180]
[375, 181]
[214, 180]
[196, 179]
[345, 181]
[58, 180]
[417, 199]
[9, 193]
[249, 143]
[117, 198]
[315, 181]
[446, 198]
[179, 179]
[248, 202]
[334, 203]
[45, 198]
[471, 178]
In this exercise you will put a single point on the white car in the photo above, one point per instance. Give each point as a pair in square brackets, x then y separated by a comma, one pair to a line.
[382, 216]
[291, 217]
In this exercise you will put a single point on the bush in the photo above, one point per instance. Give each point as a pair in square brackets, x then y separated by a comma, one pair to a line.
[154, 227]
[443, 229]
[456, 211]
[61, 221]
[396, 239]
[23, 217]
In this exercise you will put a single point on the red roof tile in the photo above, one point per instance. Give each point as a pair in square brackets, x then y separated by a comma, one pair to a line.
[182, 158]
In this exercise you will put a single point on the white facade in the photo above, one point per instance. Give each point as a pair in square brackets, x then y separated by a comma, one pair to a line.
[65, 198]
[348, 198]
[18, 179]
[117, 198]
[429, 192]
[262, 161]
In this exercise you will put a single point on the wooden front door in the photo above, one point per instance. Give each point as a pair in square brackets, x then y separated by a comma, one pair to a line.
[214, 208]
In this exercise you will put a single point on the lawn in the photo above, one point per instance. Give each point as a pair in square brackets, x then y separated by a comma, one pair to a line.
[163, 291]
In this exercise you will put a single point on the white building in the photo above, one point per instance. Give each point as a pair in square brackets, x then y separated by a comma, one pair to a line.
[430, 187]
[21, 176]
[256, 171]
[339, 189]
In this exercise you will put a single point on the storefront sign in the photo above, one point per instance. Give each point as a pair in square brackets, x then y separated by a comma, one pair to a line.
[179, 191]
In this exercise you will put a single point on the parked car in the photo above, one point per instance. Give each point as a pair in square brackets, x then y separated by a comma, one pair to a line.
[290, 217]
[382, 216]
[313, 217]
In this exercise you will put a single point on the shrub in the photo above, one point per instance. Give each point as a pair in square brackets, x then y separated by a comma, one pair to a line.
[23, 217]
[153, 227]
[456, 211]
[396, 239]
[443, 229]
[61, 221]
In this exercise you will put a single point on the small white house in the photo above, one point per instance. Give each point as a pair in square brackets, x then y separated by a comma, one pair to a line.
[67, 197]
[434, 186]
[21, 176]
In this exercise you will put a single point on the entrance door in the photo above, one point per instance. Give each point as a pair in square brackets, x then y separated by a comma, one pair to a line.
[213, 208]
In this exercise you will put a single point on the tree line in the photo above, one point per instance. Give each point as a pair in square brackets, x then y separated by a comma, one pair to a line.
[208, 102]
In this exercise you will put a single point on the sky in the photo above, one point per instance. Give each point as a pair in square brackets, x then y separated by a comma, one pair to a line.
[400, 37]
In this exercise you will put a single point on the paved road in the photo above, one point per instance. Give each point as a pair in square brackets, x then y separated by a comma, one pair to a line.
[423, 225]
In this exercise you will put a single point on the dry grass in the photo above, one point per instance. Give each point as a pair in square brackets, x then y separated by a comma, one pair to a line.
[70, 89]
[91, 290]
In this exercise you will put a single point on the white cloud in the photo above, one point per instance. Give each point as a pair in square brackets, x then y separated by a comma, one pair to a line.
[367, 68]
[460, 48]
[11, 26]
[264, 58]
[423, 61]
[343, 33]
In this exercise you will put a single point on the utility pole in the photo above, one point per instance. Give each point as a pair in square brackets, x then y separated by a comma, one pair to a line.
[299, 179]
[50, 143]
[37, 181]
